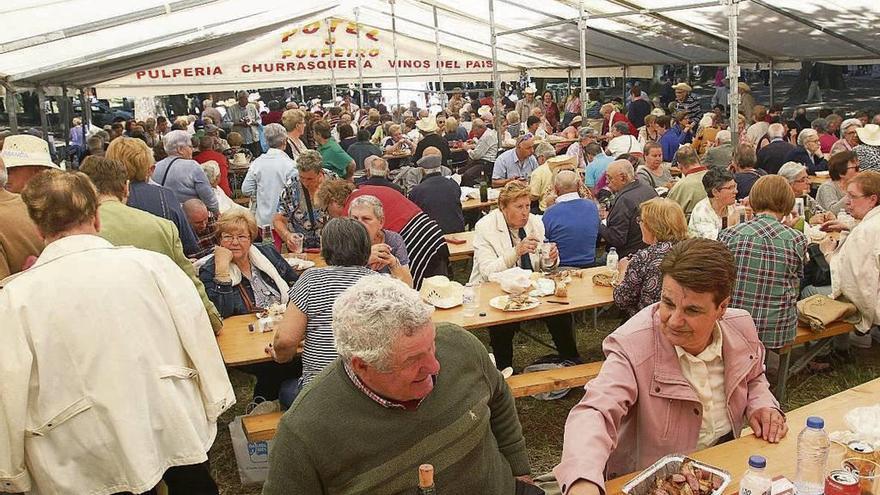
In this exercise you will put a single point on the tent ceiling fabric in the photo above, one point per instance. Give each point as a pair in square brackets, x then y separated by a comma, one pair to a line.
[86, 42]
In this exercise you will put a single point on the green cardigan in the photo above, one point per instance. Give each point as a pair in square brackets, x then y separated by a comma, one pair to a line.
[123, 225]
[336, 440]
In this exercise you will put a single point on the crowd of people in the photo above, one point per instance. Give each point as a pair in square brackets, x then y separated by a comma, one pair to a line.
[149, 248]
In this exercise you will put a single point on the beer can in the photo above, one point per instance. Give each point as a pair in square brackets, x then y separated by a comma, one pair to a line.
[861, 450]
[842, 482]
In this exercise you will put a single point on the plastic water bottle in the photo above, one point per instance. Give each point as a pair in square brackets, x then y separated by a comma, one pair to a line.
[469, 300]
[755, 481]
[611, 259]
[812, 457]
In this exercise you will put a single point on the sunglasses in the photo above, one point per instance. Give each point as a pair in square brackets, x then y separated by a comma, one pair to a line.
[525, 137]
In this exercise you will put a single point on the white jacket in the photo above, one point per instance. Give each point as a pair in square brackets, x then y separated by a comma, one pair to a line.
[493, 249]
[109, 371]
[855, 269]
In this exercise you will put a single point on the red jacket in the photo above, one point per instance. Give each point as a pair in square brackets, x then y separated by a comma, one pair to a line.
[218, 157]
[619, 117]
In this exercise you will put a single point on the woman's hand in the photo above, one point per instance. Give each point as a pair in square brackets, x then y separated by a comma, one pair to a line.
[769, 424]
[833, 226]
[828, 245]
[527, 246]
[222, 257]
[380, 256]
[622, 264]
[554, 253]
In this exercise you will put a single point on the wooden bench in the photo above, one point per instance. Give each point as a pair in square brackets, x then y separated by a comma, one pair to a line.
[806, 336]
[262, 427]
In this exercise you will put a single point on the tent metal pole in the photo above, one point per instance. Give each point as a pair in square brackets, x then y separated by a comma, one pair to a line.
[41, 101]
[439, 62]
[582, 31]
[357, 22]
[496, 78]
[623, 86]
[10, 106]
[772, 92]
[86, 108]
[332, 53]
[397, 114]
[733, 67]
[65, 118]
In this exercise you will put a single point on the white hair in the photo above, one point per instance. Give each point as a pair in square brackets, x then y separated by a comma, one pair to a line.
[566, 181]
[806, 134]
[174, 140]
[775, 131]
[212, 170]
[723, 137]
[276, 135]
[371, 202]
[372, 315]
[790, 170]
[378, 167]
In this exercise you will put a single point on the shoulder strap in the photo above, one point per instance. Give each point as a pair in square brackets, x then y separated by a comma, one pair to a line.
[309, 207]
[165, 175]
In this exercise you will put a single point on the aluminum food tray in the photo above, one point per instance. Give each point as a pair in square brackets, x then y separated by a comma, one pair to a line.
[644, 483]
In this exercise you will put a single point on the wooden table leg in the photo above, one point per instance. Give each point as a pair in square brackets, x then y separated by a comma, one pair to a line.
[782, 373]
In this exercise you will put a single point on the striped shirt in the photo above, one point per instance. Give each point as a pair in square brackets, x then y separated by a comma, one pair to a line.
[314, 294]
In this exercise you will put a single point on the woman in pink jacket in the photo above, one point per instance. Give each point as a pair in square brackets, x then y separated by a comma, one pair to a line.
[681, 375]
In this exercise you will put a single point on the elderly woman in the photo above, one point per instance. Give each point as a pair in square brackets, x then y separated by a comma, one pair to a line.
[655, 172]
[648, 132]
[236, 146]
[152, 198]
[454, 131]
[297, 211]
[294, 121]
[808, 152]
[332, 196]
[713, 382]
[507, 237]
[663, 224]
[514, 126]
[849, 136]
[585, 136]
[796, 175]
[551, 110]
[770, 258]
[345, 246]
[842, 166]
[180, 173]
[387, 253]
[868, 152]
[709, 214]
[212, 171]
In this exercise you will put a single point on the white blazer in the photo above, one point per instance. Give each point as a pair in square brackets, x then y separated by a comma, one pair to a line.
[493, 249]
[110, 371]
[855, 269]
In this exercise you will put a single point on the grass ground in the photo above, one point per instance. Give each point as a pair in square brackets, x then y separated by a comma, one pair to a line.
[543, 422]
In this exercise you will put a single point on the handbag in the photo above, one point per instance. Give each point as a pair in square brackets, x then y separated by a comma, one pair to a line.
[819, 311]
[817, 272]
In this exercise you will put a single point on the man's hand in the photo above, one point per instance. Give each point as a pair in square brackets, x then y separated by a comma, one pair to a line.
[769, 424]
[584, 487]
[528, 245]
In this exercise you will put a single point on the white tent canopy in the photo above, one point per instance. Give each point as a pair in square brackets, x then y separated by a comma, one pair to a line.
[87, 42]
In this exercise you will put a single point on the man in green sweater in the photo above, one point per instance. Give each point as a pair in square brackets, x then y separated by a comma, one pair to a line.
[402, 393]
[123, 225]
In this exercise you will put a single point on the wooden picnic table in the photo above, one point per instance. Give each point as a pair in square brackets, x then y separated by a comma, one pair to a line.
[781, 458]
[475, 203]
[460, 252]
[582, 294]
[397, 156]
[313, 257]
[238, 345]
[816, 180]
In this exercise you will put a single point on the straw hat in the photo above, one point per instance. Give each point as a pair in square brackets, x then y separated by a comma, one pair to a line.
[484, 110]
[744, 87]
[683, 86]
[239, 160]
[576, 120]
[22, 150]
[427, 125]
[439, 291]
[562, 162]
[530, 90]
[870, 135]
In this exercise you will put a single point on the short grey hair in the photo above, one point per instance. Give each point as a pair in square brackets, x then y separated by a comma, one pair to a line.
[378, 167]
[309, 161]
[849, 123]
[478, 123]
[545, 149]
[621, 127]
[345, 242]
[372, 315]
[715, 178]
[790, 170]
[586, 131]
[625, 166]
[806, 134]
[212, 171]
[820, 125]
[775, 131]
[566, 181]
[276, 135]
[371, 202]
[174, 140]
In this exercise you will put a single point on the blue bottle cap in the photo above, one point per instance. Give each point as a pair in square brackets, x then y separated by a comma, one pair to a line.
[815, 422]
[757, 462]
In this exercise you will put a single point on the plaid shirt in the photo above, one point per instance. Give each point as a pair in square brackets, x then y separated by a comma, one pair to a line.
[207, 237]
[770, 260]
[387, 404]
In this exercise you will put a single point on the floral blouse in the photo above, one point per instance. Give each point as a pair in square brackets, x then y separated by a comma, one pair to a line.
[303, 216]
[642, 282]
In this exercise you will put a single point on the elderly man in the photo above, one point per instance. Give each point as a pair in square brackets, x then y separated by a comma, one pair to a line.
[210, 112]
[796, 175]
[541, 180]
[123, 225]
[437, 195]
[183, 175]
[525, 106]
[572, 222]
[122, 376]
[267, 175]
[19, 239]
[515, 164]
[685, 102]
[377, 173]
[720, 155]
[485, 150]
[207, 152]
[429, 137]
[622, 142]
[808, 152]
[25, 156]
[611, 115]
[689, 191]
[622, 230]
[397, 372]
[335, 158]
[688, 355]
[772, 156]
[204, 224]
[745, 173]
[245, 118]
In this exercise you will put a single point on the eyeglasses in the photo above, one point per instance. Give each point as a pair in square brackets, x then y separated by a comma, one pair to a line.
[525, 137]
[731, 187]
[852, 196]
[802, 180]
[240, 238]
[855, 167]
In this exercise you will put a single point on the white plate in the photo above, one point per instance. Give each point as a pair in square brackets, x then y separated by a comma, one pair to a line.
[300, 264]
[499, 302]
